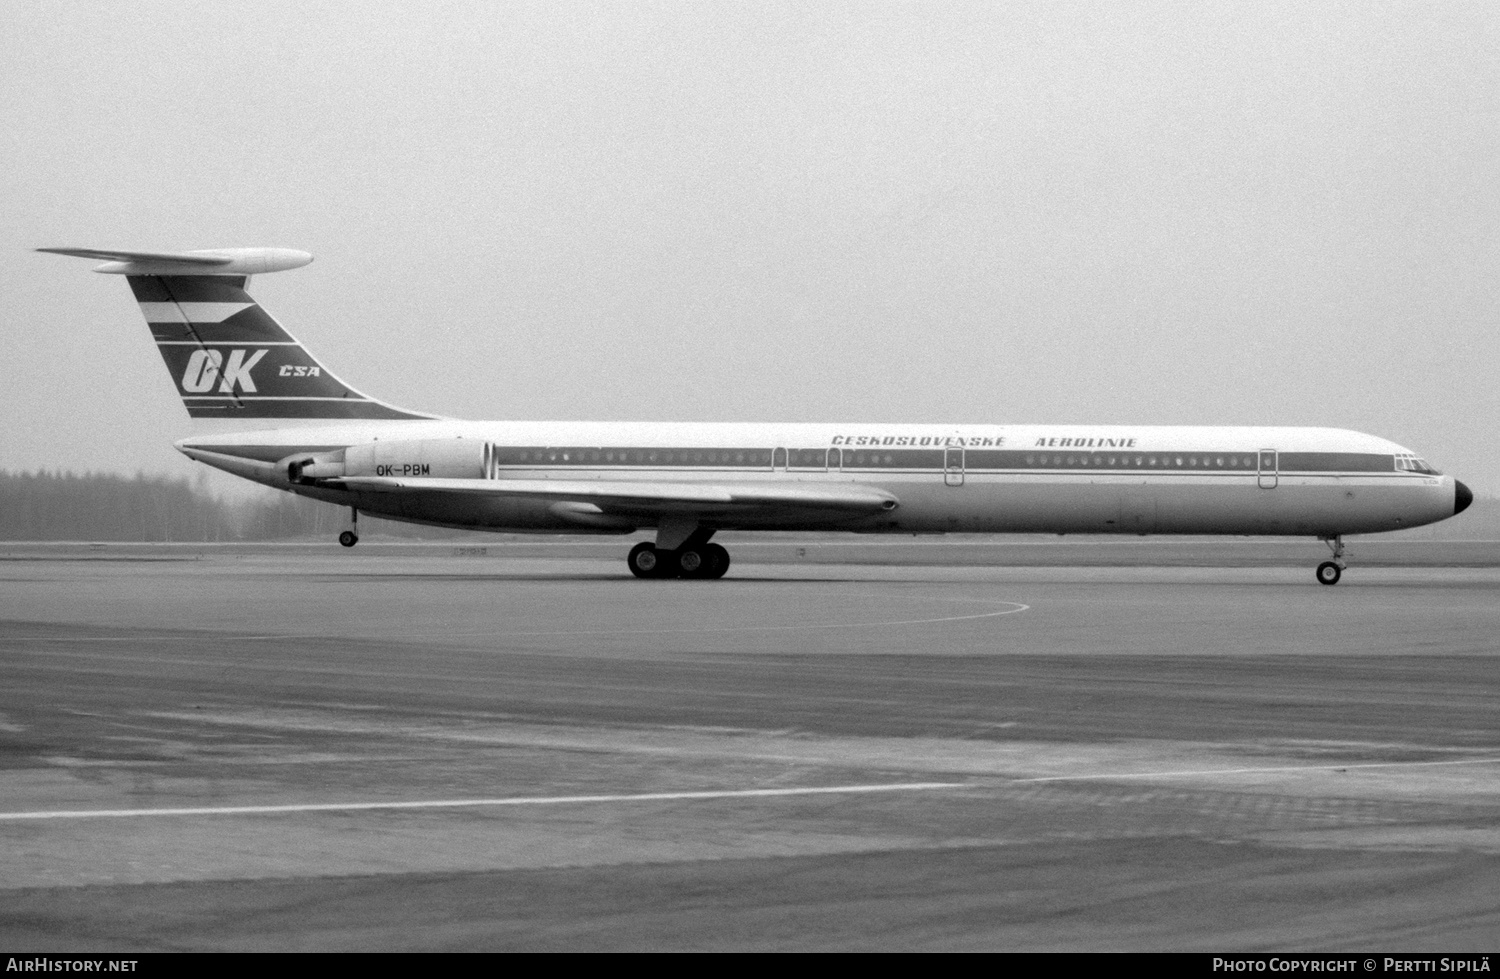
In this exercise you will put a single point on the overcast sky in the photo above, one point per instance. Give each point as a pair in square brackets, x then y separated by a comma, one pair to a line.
[1105, 212]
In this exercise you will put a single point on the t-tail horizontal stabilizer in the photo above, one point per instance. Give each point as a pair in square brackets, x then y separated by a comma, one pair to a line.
[209, 261]
[227, 355]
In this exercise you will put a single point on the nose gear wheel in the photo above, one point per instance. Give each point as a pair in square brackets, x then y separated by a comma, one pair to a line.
[1329, 572]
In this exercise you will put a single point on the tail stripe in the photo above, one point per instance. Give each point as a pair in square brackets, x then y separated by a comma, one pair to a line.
[191, 312]
[227, 355]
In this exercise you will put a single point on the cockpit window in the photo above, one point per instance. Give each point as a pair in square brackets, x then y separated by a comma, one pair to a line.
[1411, 463]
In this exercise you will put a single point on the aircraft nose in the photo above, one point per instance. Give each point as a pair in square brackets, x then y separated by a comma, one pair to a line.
[1462, 497]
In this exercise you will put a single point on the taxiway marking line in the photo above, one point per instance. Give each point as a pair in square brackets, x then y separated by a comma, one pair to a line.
[461, 803]
[1014, 608]
[1334, 766]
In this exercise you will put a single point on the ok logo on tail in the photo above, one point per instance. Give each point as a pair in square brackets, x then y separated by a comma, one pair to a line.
[205, 367]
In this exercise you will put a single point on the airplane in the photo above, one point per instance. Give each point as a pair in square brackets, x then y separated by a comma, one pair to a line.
[328, 441]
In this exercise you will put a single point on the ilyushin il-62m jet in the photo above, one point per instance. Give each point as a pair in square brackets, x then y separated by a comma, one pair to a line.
[231, 360]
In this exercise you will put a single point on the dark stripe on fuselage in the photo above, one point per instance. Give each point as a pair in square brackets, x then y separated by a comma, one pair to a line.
[545, 457]
[972, 460]
[1335, 462]
[249, 406]
[631, 458]
[267, 453]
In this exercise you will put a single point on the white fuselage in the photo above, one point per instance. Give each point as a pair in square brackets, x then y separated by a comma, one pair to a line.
[947, 478]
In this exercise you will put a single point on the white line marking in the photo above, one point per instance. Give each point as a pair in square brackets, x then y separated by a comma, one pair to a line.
[397, 637]
[1333, 766]
[459, 803]
[1015, 607]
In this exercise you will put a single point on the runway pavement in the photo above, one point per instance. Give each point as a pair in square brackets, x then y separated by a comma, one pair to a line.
[516, 748]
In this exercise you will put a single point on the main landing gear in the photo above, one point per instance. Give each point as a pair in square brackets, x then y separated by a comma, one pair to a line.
[691, 560]
[1329, 572]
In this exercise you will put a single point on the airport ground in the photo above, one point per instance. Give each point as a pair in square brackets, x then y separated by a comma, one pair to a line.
[844, 744]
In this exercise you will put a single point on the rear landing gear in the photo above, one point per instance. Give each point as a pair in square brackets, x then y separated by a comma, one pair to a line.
[720, 561]
[1329, 572]
[644, 561]
[704, 562]
[694, 561]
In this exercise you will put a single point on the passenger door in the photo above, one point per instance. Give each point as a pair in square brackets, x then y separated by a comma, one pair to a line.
[1268, 475]
[953, 466]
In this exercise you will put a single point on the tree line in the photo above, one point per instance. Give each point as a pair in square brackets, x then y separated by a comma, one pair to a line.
[109, 507]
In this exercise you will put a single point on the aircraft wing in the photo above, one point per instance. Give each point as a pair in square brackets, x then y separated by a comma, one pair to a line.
[638, 496]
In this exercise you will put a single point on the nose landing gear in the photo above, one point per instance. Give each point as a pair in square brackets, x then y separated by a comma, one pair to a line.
[350, 537]
[1329, 572]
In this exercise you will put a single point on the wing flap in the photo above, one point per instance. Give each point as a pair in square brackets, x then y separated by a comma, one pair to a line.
[647, 495]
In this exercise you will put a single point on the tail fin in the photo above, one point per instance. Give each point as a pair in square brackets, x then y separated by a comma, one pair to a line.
[228, 356]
